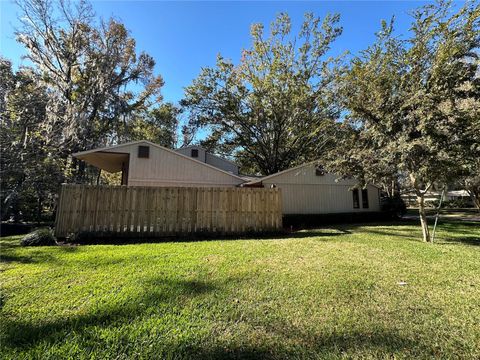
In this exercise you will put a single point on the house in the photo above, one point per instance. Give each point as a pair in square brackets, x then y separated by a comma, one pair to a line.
[306, 189]
[199, 153]
[144, 163]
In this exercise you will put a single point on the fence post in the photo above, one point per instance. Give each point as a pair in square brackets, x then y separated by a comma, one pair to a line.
[149, 211]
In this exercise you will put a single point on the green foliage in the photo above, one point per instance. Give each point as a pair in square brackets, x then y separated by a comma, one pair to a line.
[87, 87]
[88, 68]
[30, 175]
[454, 204]
[39, 237]
[393, 205]
[329, 293]
[276, 108]
[158, 125]
[413, 103]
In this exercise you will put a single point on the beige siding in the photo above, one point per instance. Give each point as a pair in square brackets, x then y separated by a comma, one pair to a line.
[210, 159]
[167, 168]
[305, 193]
[187, 151]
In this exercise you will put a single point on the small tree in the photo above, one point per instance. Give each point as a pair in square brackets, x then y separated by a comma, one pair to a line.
[413, 104]
[276, 107]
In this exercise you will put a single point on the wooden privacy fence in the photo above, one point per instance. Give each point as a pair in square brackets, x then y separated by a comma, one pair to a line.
[156, 211]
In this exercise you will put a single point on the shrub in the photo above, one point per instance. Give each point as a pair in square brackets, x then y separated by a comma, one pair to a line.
[461, 203]
[40, 237]
[394, 206]
[81, 237]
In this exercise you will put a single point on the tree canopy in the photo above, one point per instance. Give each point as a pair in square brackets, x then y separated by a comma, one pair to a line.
[88, 67]
[413, 104]
[274, 108]
[86, 86]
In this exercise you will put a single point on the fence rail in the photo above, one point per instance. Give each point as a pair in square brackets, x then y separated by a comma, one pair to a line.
[157, 211]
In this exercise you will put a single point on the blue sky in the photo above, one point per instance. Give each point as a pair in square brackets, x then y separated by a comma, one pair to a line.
[185, 36]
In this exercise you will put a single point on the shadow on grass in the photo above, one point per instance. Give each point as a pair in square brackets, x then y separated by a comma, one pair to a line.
[319, 230]
[10, 248]
[448, 232]
[23, 335]
[10, 256]
[467, 234]
[122, 240]
[366, 228]
[161, 297]
[294, 340]
[406, 234]
[382, 342]
[322, 230]
[469, 226]
[473, 241]
[9, 243]
[307, 233]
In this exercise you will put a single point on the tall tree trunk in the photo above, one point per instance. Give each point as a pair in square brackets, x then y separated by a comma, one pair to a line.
[423, 217]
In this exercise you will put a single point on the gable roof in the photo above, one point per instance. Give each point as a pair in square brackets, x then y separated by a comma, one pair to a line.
[191, 147]
[108, 149]
[279, 173]
[206, 152]
[259, 180]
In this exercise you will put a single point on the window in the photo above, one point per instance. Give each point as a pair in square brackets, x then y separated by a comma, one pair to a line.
[194, 153]
[319, 171]
[356, 199]
[365, 198]
[144, 152]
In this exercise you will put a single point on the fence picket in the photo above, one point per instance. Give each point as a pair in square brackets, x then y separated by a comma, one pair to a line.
[150, 211]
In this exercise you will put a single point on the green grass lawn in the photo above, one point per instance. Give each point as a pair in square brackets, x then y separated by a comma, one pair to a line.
[328, 293]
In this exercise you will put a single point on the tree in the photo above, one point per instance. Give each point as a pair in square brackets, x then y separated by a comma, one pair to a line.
[89, 70]
[29, 174]
[413, 104]
[275, 108]
[158, 125]
[86, 85]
